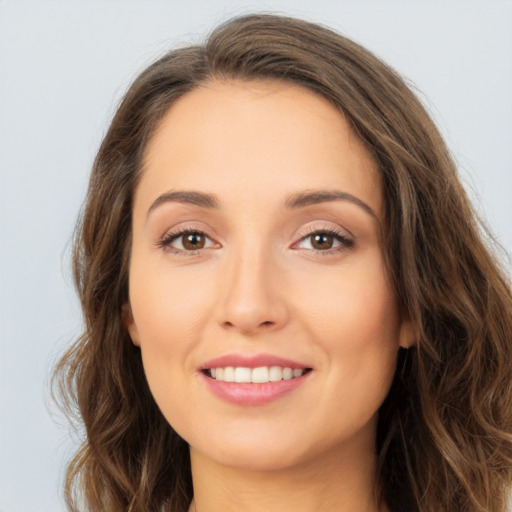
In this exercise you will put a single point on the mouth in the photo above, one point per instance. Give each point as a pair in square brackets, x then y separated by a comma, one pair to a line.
[253, 380]
[258, 375]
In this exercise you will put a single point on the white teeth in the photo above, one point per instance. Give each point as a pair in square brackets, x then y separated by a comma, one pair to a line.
[259, 375]
[229, 374]
[287, 373]
[275, 374]
[242, 375]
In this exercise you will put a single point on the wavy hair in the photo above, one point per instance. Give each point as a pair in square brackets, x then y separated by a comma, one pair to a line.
[444, 439]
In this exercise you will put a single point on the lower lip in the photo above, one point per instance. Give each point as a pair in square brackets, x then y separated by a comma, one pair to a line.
[253, 394]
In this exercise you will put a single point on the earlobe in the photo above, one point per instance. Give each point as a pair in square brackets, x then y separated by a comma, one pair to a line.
[407, 336]
[129, 323]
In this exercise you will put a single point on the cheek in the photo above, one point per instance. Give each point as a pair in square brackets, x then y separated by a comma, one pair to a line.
[353, 315]
[172, 309]
[169, 308]
[353, 304]
[168, 316]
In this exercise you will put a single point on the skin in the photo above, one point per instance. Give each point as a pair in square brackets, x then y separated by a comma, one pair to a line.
[260, 285]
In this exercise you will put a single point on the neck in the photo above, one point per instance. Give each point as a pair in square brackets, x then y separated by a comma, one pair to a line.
[335, 482]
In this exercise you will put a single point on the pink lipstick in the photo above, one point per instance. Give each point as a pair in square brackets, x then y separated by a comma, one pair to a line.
[253, 380]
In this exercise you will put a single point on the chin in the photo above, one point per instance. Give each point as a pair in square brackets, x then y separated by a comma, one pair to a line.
[254, 451]
[257, 459]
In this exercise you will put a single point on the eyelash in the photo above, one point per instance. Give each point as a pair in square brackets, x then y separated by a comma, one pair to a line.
[345, 242]
[165, 242]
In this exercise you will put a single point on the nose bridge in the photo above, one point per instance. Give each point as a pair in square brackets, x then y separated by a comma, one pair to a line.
[251, 301]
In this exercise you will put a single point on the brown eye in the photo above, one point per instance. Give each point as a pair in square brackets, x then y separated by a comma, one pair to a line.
[187, 242]
[193, 241]
[322, 241]
[325, 241]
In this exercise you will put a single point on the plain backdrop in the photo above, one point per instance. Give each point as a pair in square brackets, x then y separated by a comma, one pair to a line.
[63, 68]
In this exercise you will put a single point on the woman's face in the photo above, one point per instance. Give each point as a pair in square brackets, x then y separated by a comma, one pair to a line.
[256, 257]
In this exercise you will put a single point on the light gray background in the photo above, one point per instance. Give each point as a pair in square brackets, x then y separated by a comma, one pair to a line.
[64, 66]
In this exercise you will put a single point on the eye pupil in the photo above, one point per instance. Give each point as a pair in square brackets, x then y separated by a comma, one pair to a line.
[193, 241]
[322, 241]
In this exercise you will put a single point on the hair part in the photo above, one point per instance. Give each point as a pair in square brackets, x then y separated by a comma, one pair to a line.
[445, 430]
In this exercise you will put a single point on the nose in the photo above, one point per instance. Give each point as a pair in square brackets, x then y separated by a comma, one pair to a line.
[252, 295]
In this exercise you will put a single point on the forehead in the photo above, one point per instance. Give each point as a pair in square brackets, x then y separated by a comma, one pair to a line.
[266, 137]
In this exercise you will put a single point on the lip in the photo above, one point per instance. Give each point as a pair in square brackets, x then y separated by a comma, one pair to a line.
[245, 394]
[252, 361]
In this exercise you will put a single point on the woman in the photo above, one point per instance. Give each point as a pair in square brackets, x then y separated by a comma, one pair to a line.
[288, 302]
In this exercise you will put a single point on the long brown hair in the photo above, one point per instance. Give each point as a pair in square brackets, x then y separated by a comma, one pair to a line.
[445, 430]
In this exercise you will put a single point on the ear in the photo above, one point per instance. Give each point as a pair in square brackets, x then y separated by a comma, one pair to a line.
[406, 335]
[129, 323]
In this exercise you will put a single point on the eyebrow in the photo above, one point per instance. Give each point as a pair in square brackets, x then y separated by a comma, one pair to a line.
[187, 197]
[311, 197]
[296, 201]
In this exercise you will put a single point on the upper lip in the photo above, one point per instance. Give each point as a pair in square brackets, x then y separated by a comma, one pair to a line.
[252, 361]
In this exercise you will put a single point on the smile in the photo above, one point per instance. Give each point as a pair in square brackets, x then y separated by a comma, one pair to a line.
[253, 380]
[259, 375]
